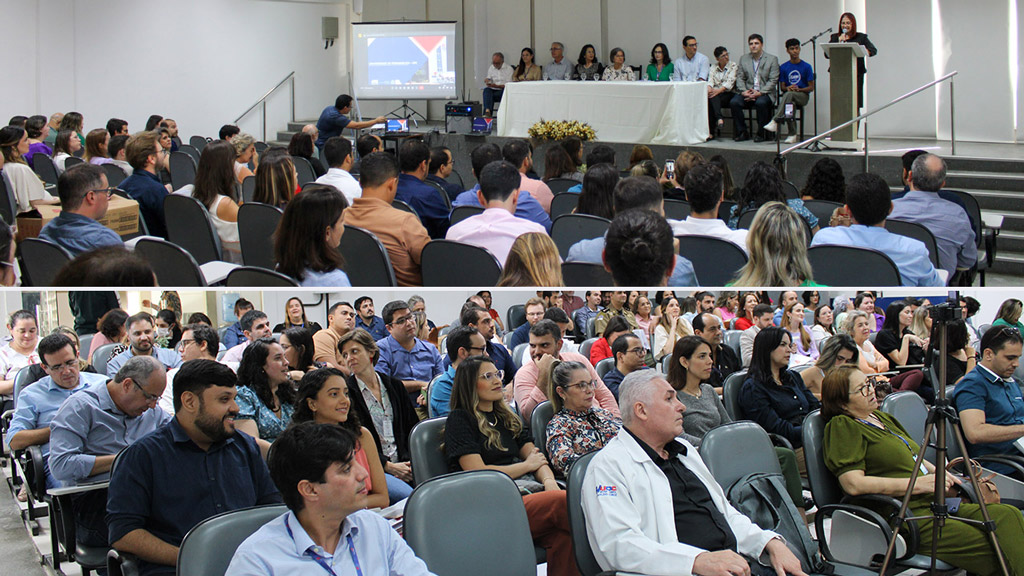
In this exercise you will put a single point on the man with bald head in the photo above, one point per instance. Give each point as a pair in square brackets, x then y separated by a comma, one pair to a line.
[653, 507]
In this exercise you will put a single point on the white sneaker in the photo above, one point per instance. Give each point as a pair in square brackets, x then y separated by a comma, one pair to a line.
[791, 139]
[771, 126]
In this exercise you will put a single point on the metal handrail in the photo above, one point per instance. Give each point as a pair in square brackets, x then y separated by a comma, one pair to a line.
[952, 112]
[263, 102]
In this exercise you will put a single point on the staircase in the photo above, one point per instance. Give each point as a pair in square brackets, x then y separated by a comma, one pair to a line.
[285, 136]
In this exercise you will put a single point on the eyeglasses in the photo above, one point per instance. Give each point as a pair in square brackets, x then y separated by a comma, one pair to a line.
[108, 191]
[63, 366]
[639, 351]
[149, 397]
[182, 343]
[496, 375]
[403, 320]
[480, 348]
[865, 389]
[585, 385]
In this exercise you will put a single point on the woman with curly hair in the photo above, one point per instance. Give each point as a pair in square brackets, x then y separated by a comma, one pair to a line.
[763, 184]
[110, 330]
[266, 392]
[825, 182]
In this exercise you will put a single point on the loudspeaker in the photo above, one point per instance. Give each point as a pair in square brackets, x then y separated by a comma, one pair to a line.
[329, 27]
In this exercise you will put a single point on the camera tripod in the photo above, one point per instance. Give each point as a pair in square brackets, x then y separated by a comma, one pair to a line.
[941, 415]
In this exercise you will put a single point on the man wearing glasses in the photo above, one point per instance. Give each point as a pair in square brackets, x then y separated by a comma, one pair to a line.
[692, 66]
[629, 354]
[559, 68]
[39, 403]
[989, 399]
[147, 157]
[404, 356]
[84, 197]
[198, 342]
[141, 343]
[461, 343]
[93, 425]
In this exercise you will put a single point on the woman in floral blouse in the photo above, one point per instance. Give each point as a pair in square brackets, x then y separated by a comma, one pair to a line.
[577, 427]
[266, 393]
[617, 70]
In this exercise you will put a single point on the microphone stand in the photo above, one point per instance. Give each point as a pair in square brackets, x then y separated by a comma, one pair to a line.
[818, 145]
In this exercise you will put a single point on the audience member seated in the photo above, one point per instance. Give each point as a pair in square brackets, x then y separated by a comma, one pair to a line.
[721, 81]
[531, 382]
[414, 160]
[896, 340]
[948, 222]
[705, 193]
[333, 120]
[559, 68]
[323, 398]
[110, 330]
[76, 123]
[497, 228]
[441, 167]
[639, 249]
[498, 74]
[989, 401]
[1009, 315]
[527, 207]
[365, 145]
[558, 164]
[961, 357]
[526, 71]
[519, 153]
[796, 81]
[338, 154]
[825, 182]
[724, 360]
[141, 343]
[66, 145]
[367, 320]
[28, 188]
[773, 395]
[867, 450]
[144, 185]
[198, 342]
[266, 393]
[533, 260]
[105, 267]
[858, 325]
[616, 327]
[461, 343]
[382, 402]
[629, 354]
[597, 197]
[215, 188]
[671, 327]
[762, 319]
[763, 184]
[645, 168]
[482, 432]
[54, 126]
[578, 427]
[690, 368]
[117, 127]
[84, 196]
[307, 239]
[92, 426]
[295, 317]
[838, 350]
[778, 250]
[745, 316]
[587, 65]
[37, 130]
[234, 335]
[400, 232]
[96, 147]
[171, 466]
[310, 461]
[298, 351]
[301, 146]
[618, 71]
[804, 349]
[756, 80]
[254, 325]
[479, 317]
[244, 148]
[340, 321]
[534, 311]
[824, 325]
[674, 519]
[117, 148]
[403, 356]
[276, 179]
[661, 68]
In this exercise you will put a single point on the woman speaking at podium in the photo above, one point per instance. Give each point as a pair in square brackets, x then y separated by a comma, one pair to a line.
[848, 33]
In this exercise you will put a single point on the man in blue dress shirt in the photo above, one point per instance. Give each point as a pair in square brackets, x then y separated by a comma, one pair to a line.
[84, 196]
[141, 343]
[194, 467]
[527, 206]
[868, 202]
[366, 320]
[414, 161]
[39, 402]
[404, 356]
[461, 343]
[692, 66]
[327, 529]
[333, 120]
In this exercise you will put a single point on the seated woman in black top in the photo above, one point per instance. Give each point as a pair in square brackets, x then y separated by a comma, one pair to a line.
[301, 146]
[773, 395]
[960, 355]
[482, 433]
[902, 347]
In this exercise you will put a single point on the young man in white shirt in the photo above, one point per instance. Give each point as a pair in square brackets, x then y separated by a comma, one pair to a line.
[705, 192]
[338, 154]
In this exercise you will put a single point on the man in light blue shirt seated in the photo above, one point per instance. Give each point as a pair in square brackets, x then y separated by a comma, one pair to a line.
[326, 529]
[84, 197]
[641, 192]
[461, 343]
[560, 68]
[405, 357]
[868, 200]
[39, 402]
[527, 207]
[692, 66]
[141, 339]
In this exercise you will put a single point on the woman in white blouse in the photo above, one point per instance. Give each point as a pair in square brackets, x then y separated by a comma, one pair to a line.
[618, 71]
[28, 188]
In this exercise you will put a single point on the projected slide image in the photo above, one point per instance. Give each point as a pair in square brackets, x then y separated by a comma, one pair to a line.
[410, 60]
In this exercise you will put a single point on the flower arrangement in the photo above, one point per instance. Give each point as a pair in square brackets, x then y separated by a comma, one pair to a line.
[561, 129]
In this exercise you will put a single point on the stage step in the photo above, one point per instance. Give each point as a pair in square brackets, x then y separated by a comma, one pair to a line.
[1001, 181]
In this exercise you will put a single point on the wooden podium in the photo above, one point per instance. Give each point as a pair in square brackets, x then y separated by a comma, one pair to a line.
[843, 86]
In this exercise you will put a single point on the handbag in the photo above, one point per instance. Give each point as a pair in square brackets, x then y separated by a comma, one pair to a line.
[989, 490]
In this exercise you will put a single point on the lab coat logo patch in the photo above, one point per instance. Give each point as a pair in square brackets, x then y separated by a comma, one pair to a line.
[607, 490]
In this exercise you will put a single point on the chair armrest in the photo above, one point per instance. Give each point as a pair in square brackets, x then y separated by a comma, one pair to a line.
[77, 489]
[1015, 462]
[122, 563]
[866, 514]
[216, 271]
[780, 441]
[913, 533]
[37, 478]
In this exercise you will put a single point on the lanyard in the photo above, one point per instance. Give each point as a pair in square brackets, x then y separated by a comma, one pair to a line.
[321, 560]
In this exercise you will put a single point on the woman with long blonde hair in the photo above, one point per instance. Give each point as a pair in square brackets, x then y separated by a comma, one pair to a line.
[532, 261]
[778, 250]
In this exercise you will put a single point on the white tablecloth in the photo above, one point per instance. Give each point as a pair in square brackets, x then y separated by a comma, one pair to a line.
[672, 113]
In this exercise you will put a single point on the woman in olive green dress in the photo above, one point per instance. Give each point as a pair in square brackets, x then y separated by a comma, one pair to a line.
[872, 453]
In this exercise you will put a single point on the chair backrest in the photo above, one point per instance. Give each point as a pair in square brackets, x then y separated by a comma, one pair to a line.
[198, 142]
[183, 170]
[171, 263]
[586, 274]
[366, 260]
[305, 170]
[404, 207]
[450, 263]
[542, 414]
[736, 449]
[189, 226]
[676, 209]
[569, 229]
[8, 204]
[836, 265]
[731, 394]
[564, 203]
[917, 232]
[72, 161]
[715, 261]
[115, 174]
[973, 212]
[191, 151]
[246, 276]
[823, 209]
[428, 461]
[909, 408]
[84, 342]
[42, 260]
[460, 522]
[208, 547]
[790, 190]
[519, 354]
[21, 381]
[825, 486]
[460, 213]
[257, 223]
[261, 147]
[587, 345]
[560, 185]
[604, 366]
[724, 209]
[101, 355]
[732, 340]
[248, 189]
[515, 316]
[43, 166]
[585, 560]
[441, 191]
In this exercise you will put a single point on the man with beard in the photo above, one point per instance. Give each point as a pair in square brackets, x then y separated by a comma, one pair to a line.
[140, 339]
[194, 467]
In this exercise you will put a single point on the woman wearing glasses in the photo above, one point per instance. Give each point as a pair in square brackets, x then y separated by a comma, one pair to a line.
[578, 427]
[871, 453]
[482, 433]
[773, 395]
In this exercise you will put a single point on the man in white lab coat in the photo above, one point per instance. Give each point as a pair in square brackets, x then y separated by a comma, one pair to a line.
[653, 507]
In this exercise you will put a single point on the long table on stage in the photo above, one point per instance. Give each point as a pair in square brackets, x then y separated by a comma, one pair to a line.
[671, 113]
